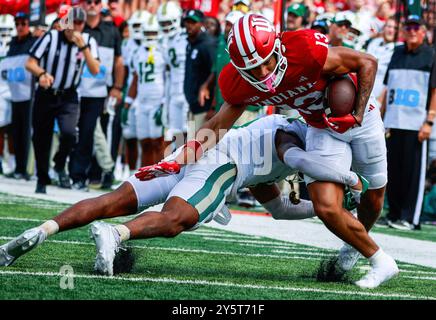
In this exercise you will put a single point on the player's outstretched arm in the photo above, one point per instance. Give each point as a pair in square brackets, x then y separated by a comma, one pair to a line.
[342, 60]
[205, 138]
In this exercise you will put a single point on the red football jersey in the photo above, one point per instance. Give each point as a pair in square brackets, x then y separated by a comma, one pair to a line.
[302, 87]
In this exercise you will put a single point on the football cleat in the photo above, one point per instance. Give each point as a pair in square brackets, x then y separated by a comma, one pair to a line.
[379, 274]
[22, 244]
[107, 241]
[348, 257]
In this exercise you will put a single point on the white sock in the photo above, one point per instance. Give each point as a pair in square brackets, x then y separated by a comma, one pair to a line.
[123, 231]
[378, 257]
[50, 227]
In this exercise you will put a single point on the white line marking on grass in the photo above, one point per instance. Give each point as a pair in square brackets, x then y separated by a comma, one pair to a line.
[246, 241]
[21, 219]
[431, 273]
[421, 278]
[208, 234]
[320, 254]
[256, 255]
[222, 284]
[277, 246]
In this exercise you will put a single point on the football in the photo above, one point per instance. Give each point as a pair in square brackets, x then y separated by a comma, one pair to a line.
[340, 96]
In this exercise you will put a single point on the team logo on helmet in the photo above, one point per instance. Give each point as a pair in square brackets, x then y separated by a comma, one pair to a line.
[252, 41]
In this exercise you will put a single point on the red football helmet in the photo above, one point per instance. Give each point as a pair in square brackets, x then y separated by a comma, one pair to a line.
[253, 40]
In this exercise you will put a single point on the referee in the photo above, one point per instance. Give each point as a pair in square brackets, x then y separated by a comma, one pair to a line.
[57, 61]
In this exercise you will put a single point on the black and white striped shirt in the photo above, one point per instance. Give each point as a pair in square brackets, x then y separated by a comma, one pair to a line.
[61, 58]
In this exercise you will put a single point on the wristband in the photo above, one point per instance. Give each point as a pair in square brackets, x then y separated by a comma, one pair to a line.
[128, 100]
[430, 123]
[84, 47]
[41, 74]
[118, 88]
[196, 146]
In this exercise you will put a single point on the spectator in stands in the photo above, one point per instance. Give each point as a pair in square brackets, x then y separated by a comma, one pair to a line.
[241, 5]
[383, 14]
[297, 18]
[212, 26]
[362, 18]
[200, 55]
[20, 83]
[382, 48]
[321, 26]
[339, 28]
[409, 116]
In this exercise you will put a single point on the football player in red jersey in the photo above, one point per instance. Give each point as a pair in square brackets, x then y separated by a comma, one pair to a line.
[291, 70]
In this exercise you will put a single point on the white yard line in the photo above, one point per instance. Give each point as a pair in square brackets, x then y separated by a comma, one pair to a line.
[420, 278]
[220, 284]
[228, 253]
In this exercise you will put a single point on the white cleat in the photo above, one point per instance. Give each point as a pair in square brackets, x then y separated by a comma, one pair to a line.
[107, 243]
[28, 240]
[379, 274]
[348, 257]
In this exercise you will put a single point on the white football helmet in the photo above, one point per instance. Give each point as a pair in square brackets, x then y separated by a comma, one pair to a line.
[150, 31]
[135, 23]
[7, 31]
[169, 16]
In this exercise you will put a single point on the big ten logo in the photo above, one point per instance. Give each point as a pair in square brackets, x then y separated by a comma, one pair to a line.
[404, 97]
[67, 277]
[100, 75]
[15, 74]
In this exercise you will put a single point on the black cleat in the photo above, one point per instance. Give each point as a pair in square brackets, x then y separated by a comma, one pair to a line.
[40, 188]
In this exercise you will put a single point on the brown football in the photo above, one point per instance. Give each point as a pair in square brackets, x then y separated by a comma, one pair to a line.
[340, 97]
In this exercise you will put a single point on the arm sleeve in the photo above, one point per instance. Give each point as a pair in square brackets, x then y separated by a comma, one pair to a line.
[38, 49]
[281, 208]
[317, 168]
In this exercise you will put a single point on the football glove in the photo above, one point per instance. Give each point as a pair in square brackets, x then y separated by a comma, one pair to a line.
[340, 124]
[160, 169]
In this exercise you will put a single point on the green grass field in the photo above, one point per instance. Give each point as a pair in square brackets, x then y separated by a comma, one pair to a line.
[205, 264]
